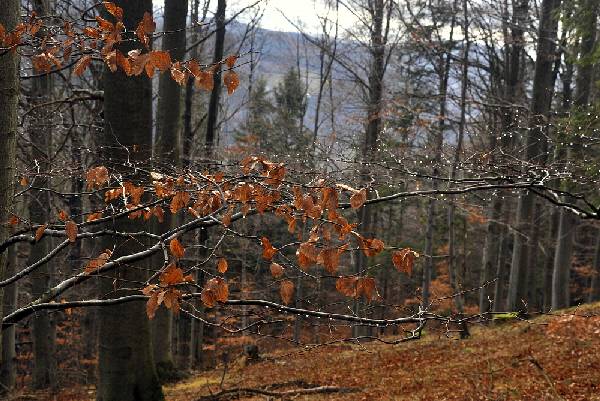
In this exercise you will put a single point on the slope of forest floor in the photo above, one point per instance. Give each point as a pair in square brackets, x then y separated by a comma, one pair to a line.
[547, 358]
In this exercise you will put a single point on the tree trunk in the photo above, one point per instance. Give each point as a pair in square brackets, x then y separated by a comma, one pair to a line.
[43, 325]
[9, 93]
[568, 221]
[536, 145]
[167, 152]
[213, 105]
[452, 271]
[126, 365]
[8, 367]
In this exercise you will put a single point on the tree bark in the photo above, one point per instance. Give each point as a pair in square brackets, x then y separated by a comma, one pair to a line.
[9, 93]
[126, 365]
[568, 221]
[215, 95]
[8, 367]
[167, 151]
[536, 145]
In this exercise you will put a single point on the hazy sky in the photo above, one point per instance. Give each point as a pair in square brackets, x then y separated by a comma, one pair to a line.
[307, 12]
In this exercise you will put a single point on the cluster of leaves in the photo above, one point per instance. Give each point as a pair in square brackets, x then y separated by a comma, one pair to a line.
[57, 48]
[260, 187]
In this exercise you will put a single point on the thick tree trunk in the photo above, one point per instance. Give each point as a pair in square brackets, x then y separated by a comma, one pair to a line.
[8, 366]
[167, 151]
[43, 325]
[536, 145]
[126, 365]
[9, 95]
[491, 250]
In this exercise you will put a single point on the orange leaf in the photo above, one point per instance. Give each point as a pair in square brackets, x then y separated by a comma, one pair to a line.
[179, 201]
[231, 81]
[82, 65]
[330, 259]
[94, 216]
[152, 305]
[358, 199]
[365, 286]
[205, 80]
[172, 275]
[114, 10]
[222, 265]
[346, 286]
[161, 60]
[96, 177]
[71, 230]
[97, 263]
[63, 215]
[230, 61]
[404, 260]
[268, 250]
[286, 290]
[176, 248]
[215, 290]
[276, 270]
[39, 233]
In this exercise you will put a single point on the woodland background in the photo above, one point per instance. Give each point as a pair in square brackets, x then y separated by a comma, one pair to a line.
[180, 186]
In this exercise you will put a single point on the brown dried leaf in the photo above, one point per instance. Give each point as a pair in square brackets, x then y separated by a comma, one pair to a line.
[176, 248]
[276, 270]
[39, 233]
[222, 265]
[82, 65]
[404, 260]
[286, 290]
[268, 250]
[358, 199]
[71, 230]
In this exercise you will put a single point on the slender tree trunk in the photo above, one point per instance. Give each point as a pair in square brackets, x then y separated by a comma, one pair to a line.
[167, 151]
[213, 105]
[595, 286]
[444, 74]
[126, 365]
[452, 271]
[567, 220]
[9, 93]
[536, 145]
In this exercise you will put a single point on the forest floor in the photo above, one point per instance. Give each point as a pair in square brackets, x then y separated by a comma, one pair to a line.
[546, 358]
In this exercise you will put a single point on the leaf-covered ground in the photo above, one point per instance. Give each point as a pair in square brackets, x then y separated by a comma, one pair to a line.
[547, 358]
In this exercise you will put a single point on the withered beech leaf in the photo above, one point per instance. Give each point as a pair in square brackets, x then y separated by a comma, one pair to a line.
[222, 265]
[404, 260]
[268, 250]
[176, 248]
[39, 233]
[98, 262]
[82, 65]
[286, 290]
[276, 270]
[152, 305]
[172, 275]
[231, 81]
[71, 230]
[358, 198]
